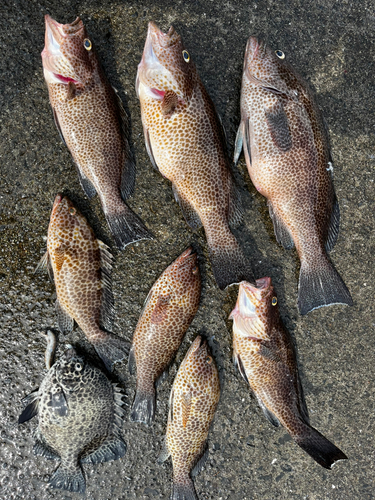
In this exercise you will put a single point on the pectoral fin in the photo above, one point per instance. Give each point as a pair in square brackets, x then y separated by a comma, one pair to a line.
[45, 265]
[169, 103]
[185, 409]
[278, 126]
[161, 309]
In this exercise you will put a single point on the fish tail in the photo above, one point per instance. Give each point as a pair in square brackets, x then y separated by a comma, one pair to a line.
[319, 448]
[228, 261]
[68, 478]
[126, 227]
[184, 490]
[143, 409]
[110, 348]
[321, 285]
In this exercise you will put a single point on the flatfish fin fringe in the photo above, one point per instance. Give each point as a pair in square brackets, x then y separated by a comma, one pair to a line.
[321, 285]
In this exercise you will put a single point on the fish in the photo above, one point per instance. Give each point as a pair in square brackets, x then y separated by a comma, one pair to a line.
[92, 122]
[286, 147]
[80, 266]
[264, 354]
[80, 415]
[193, 401]
[186, 143]
[169, 309]
[49, 357]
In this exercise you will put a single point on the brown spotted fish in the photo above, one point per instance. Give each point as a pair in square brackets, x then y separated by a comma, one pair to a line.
[186, 143]
[80, 417]
[192, 405]
[265, 356]
[92, 122]
[168, 311]
[287, 154]
[81, 266]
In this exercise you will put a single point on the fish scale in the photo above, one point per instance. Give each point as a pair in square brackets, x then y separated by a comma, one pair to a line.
[287, 154]
[186, 143]
[80, 265]
[168, 311]
[194, 397]
[92, 122]
[265, 356]
[80, 416]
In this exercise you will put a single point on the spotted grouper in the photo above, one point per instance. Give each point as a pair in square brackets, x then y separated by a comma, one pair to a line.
[265, 356]
[186, 143]
[81, 266]
[287, 154]
[80, 416]
[168, 311]
[192, 405]
[92, 122]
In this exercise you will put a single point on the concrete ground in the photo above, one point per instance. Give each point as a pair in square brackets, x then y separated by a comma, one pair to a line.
[331, 43]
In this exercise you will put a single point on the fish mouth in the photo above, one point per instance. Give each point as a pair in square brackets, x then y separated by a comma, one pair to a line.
[187, 259]
[56, 203]
[252, 49]
[250, 296]
[150, 64]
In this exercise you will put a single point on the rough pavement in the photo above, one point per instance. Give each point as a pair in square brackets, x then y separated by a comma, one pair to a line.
[331, 44]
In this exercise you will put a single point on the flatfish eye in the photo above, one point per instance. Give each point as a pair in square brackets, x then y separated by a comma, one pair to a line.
[208, 360]
[87, 44]
[274, 301]
[185, 55]
[78, 367]
[280, 54]
[72, 211]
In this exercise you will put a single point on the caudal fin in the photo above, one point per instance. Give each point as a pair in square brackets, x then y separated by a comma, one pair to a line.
[143, 409]
[229, 263]
[321, 285]
[111, 349]
[126, 227]
[319, 448]
[184, 490]
[68, 478]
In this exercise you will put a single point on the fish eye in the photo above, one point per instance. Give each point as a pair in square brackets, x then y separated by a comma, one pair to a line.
[78, 367]
[195, 270]
[280, 54]
[72, 211]
[87, 44]
[208, 360]
[185, 55]
[274, 301]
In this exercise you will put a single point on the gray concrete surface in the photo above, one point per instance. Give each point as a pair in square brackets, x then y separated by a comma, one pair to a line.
[332, 44]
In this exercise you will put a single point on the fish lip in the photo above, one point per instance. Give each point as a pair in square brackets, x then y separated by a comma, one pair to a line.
[56, 203]
[164, 39]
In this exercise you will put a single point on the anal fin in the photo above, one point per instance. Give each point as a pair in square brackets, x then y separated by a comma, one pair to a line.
[112, 449]
[239, 142]
[334, 226]
[58, 125]
[201, 461]
[41, 449]
[65, 322]
[131, 361]
[149, 149]
[188, 211]
[164, 453]
[86, 184]
[282, 234]
[268, 414]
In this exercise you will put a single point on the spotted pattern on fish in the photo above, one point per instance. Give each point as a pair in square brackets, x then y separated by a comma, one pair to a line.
[287, 154]
[188, 147]
[265, 356]
[194, 398]
[81, 267]
[169, 309]
[79, 419]
[93, 123]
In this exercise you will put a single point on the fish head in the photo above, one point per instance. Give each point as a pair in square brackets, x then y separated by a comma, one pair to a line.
[267, 68]
[71, 371]
[255, 307]
[183, 274]
[199, 366]
[66, 223]
[165, 66]
[67, 54]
